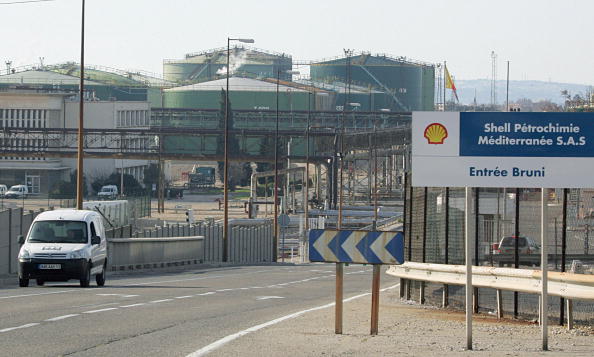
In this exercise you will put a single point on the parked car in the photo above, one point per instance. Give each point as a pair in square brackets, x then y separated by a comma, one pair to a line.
[3, 190]
[17, 191]
[63, 245]
[108, 192]
[526, 245]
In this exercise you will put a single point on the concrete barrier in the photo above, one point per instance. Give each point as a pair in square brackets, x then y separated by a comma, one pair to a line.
[146, 253]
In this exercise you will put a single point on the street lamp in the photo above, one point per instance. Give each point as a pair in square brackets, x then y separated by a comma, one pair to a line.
[275, 240]
[226, 155]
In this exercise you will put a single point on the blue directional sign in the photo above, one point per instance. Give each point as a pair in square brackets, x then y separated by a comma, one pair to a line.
[362, 247]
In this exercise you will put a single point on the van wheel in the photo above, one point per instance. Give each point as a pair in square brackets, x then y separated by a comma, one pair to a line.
[85, 280]
[100, 278]
[40, 282]
[23, 283]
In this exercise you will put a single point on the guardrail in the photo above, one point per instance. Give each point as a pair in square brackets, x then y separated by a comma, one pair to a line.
[566, 285]
[143, 253]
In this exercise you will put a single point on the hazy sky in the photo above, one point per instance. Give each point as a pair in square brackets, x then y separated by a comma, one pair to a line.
[543, 39]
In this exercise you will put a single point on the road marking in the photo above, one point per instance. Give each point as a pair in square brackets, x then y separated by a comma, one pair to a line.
[220, 290]
[219, 343]
[134, 305]
[19, 327]
[61, 317]
[25, 295]
[100, 310]
[158, 301]
[120, 295]
[183, 297]
[208, 293]
[269, 297]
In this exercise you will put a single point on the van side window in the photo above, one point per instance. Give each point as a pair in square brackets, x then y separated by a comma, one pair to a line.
[93, 231]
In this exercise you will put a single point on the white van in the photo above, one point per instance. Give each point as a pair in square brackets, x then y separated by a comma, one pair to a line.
[108, 192]
[17, 191]
[63, 245]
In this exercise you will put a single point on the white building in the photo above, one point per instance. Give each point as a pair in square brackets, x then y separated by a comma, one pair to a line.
[35, 108]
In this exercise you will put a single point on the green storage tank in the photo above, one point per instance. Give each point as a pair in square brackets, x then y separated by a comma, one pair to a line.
[211, 64]
[407, 85]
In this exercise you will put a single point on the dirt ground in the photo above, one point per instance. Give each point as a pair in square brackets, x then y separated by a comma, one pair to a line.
[405, 329]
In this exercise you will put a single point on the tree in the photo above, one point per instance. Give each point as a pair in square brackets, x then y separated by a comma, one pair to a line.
[151, 175]
[131, 185]
[63, 189]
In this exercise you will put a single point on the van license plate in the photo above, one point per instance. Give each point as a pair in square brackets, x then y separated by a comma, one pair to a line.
[50, 266]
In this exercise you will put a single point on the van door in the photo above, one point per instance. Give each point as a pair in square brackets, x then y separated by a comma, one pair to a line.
[97, 250]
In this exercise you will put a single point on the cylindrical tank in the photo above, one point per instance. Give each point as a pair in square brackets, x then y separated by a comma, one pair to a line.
[407, 85]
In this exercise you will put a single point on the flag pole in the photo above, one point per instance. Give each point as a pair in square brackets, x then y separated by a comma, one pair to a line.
[444, 85]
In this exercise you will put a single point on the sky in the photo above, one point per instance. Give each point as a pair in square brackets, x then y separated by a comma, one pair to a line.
[543, 39]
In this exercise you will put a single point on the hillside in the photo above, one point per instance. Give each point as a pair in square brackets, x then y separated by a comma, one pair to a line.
[533, 90]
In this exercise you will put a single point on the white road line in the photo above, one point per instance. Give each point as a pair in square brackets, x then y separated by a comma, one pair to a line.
[200, 278]
[221, 290]
[134, 305]
[158, 301]
[19, 327]
[100, 310]
[61, 317]
[183, 297]
[208, 293]
[25, 295]
[219, 343]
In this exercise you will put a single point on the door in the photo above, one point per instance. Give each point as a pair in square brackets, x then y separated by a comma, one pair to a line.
[33, 183]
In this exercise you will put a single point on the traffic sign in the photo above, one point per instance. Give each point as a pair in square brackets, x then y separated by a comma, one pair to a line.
[363, 247]
[284, 220]
[502, 149]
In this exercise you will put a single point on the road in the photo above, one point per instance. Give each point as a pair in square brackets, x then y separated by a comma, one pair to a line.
[165, 314]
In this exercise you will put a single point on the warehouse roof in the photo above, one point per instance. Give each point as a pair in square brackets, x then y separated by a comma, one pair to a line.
[42, 77]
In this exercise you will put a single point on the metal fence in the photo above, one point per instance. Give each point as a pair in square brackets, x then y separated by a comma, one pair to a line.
[434, 233]
[247, 244]
[13, 222]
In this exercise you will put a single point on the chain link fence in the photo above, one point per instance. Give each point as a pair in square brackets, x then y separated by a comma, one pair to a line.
[434, 233]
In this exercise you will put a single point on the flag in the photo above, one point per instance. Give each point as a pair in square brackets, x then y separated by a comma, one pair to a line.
[450, 83]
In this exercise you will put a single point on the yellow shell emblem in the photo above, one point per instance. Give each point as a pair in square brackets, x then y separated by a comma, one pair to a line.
[435, 133]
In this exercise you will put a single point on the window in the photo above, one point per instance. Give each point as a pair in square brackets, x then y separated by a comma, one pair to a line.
[93, 231]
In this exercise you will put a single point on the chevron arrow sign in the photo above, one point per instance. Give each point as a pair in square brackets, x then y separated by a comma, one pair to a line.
[363, 247]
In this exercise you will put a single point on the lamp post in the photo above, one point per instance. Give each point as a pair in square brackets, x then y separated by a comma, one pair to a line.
[275, 238]
[79, 159]
[226, 155]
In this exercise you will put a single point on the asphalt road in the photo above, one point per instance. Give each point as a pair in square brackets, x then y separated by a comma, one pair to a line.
[166, 314]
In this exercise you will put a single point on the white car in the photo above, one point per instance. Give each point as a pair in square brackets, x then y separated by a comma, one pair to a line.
[17, 191]
[63, 245]
[108, 192]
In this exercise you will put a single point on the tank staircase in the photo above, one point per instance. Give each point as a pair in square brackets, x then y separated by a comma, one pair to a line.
[385, 89]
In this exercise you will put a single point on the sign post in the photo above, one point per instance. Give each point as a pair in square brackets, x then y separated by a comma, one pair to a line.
[356, 247]
[508, 150]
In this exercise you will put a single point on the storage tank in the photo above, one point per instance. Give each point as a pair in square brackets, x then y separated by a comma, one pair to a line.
[211, 64]
[407, 85]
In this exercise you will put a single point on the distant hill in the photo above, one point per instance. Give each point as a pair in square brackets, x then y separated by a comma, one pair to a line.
[533, 90]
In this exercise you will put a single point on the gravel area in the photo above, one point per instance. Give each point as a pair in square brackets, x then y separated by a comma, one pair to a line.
[405, 329]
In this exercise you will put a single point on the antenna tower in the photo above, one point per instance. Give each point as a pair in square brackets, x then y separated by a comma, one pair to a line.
[493, 78]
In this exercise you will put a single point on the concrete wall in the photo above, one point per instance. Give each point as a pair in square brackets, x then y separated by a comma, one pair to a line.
[138, 253]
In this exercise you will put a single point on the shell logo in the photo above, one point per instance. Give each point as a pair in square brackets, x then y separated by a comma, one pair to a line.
[435, 133]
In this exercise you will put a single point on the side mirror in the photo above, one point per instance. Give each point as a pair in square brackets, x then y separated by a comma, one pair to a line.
[21, 239]
[95, 240]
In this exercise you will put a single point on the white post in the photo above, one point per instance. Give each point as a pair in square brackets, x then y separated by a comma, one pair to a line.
[469, 254]
[543, 267]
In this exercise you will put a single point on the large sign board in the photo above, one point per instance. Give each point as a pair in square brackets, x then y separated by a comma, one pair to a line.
[503, 149]
[363, 247]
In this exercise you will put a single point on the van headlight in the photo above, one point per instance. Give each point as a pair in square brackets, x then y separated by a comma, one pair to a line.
[77, 254]
[24, 255]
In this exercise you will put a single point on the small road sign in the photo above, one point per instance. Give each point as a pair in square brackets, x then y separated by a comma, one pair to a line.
[363, 247]
[284, 220]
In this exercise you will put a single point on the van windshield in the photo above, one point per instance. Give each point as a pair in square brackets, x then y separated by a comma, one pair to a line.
[106, 189]
[58, 232]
